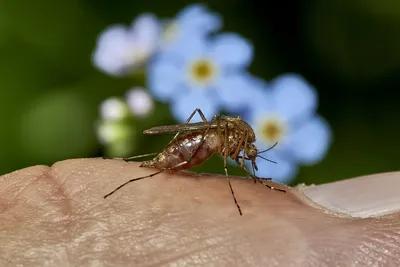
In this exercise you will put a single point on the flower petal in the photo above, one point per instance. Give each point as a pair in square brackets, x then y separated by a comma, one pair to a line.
[196, 19]
[294, 98]
[165, 78]
[232, 51]
[236, 91]
[309, 143]
[187, 48]
[261, 100]
[284, 171]
[111, 47]
[146, 30]
[184, 105]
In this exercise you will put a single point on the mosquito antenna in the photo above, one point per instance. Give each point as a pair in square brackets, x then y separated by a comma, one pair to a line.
[267, 159]
[132, 180]
[268, 148]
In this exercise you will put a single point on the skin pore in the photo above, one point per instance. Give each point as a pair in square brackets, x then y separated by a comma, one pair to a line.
[57, 216]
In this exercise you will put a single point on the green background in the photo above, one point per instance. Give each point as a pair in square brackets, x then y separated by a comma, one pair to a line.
[349, 50]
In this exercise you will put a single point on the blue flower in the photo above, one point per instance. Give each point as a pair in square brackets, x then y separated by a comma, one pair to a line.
[207, 73]
[284, 112]
[194, 20]
[121, 50]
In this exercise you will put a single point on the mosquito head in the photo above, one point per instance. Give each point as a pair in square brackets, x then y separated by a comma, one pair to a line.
[252, 153]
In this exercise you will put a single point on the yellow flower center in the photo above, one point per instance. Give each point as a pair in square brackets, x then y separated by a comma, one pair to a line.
[138, 56]
[202, 71]
[272, 130]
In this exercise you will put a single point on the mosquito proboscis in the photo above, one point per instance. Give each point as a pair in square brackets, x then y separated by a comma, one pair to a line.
[194, 143]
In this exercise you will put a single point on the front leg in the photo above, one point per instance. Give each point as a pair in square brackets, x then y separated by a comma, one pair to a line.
[226, 154]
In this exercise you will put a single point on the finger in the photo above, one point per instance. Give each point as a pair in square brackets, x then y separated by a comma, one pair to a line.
[180, 219]
[366, 196]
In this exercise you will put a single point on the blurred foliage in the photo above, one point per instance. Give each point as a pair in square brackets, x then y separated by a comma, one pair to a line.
[50, 92]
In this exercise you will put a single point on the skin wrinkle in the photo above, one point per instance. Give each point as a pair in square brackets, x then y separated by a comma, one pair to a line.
[18, 197]
[158, 236]
[207, 252]
[7, 183]
[379, 246]
[180, 219]
[193, 246]
[56, 204]
[354, 248]
[323, 249]
[231, 238]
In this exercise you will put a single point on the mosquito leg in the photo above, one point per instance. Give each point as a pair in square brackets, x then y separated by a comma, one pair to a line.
[194, 112]
[144, 177]
[244, 150]
[243, 157]
[240, 146]
[260, 180]
[203, 118]
[201, 114]
[246, 170]
[132, 180]
[226, 151]
[140, 156]
[226, 148]
[219, 132]
[134, 157]
[270, 187]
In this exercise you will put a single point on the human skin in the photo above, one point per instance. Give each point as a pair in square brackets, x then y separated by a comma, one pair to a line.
[57, 216]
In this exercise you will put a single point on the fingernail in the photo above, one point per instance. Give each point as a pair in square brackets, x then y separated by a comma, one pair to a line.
[366, 196]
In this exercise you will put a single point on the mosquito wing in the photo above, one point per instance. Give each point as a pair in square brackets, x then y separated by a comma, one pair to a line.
[187, 127]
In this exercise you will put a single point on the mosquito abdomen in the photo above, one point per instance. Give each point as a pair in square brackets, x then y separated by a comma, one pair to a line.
[185, 152]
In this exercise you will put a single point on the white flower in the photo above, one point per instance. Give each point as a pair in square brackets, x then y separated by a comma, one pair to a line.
[113, 108]
[139, 102]
[121, 50]
[112, 132]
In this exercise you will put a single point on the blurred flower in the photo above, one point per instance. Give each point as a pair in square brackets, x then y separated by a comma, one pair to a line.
[203, 73]
[111, 132]
[121, 50]
[194, 20]
[113, 108]
[114, 128]
[139, 102]
[284, 112]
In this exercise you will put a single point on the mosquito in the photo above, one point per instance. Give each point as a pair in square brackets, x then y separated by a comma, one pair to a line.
[194, 143]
